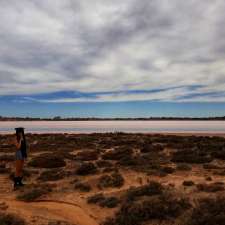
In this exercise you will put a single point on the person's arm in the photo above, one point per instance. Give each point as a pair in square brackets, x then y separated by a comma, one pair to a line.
[18, 143]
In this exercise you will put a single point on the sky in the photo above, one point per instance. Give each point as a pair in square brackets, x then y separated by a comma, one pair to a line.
[112, 58]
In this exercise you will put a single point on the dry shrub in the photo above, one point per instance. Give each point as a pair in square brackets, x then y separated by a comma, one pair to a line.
[188, 183]
[47, 160]
[87, 155]
[113, 180]
[101, 200]
[152, 148]
[208, 211]
[52, 175]
[117, 153]
[184, 167]
[86, 169]
[3, 169]
[104, 164]
[153, 188]
[214, 187]
[11, 219]
[191, 156]
[162, 207]
[210, 166]
[58, 222]
[167, 170]
[83, 187]
[32, 193]
[7, 158]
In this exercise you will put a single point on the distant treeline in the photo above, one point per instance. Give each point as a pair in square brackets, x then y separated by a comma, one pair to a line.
[58, 118]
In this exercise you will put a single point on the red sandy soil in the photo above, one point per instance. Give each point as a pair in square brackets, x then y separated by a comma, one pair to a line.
[66, 204]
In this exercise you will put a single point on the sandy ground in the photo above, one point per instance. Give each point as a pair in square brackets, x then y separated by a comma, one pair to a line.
[68, 205]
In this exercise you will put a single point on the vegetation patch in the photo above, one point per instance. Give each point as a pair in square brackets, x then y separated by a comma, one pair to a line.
[208, 211]
[101, 200]
[214, 187]
[11, 219]
[58, 222]
[153, 188]
[47, 160]
[86, 169]
[83, 187]
[188, 183]
[113, 180]
[32, 193]
[159, 207]
[152, 148]
[191, 156]
[7, 158]
[183, 167]
[104, 164]
[87, 155]
[52, 175]
[117, 153]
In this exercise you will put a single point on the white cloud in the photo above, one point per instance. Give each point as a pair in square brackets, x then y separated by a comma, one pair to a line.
[97, 46]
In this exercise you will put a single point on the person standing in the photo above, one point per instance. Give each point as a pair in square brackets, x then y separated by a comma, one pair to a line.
[21, 155]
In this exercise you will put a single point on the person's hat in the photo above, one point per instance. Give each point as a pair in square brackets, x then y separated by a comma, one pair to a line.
[19, 129]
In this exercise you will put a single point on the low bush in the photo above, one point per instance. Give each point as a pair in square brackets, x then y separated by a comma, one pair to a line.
[94, 199]
[109, 202]
[11, 219]
[209, 166]
[188, 183]
[47, 160]
[3, 169]
[32, 193]
[151, 148]
[191, 156]
[101, 200]
[104, 164]
[159, 207]
[86, 169]
[58, 222]
[214, 187]
[153, 188]
[84, 187]
[167, 170]
[113, 180]
[7, 158]
[51, 175]
[183, 167]
[87, 155]
[208, 211]
[117, 153]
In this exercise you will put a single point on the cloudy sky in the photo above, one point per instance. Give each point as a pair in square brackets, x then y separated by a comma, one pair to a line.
[111, 57]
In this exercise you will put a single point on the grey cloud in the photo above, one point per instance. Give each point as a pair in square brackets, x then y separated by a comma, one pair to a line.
[108, 45]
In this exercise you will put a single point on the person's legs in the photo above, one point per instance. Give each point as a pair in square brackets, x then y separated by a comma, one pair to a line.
[18, 173]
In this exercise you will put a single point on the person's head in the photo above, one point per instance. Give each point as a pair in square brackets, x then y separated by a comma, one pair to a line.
[20, 133]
